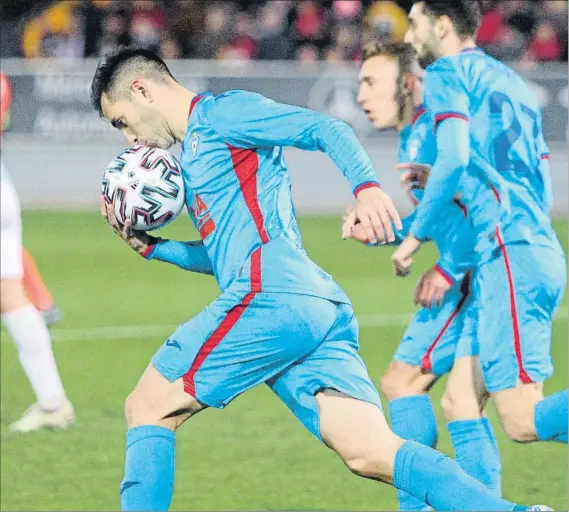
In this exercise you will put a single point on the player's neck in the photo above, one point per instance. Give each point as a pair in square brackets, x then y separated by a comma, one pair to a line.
[181, 103]
[408, 113]
[459, 45]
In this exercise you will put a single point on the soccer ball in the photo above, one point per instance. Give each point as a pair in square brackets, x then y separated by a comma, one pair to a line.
[145, 184]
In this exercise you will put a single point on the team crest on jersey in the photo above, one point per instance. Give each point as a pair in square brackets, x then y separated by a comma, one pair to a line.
[414, 146]
[195, 142]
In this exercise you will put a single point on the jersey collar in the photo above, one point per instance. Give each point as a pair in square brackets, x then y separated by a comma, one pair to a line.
[419, 111]
[474, 49]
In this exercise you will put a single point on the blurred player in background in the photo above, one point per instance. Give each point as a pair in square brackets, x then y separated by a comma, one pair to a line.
[22, 319]
[391, 94]
[280, 319]
[491, 150]
[34, 285]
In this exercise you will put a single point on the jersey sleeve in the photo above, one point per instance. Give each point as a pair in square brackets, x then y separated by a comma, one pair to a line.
[190, 256]
[250, 120]
[445, 94]
[448, 104]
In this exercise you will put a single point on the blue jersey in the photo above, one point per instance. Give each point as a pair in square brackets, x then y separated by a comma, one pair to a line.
[452, 231]
[505, 184]
[238, 190]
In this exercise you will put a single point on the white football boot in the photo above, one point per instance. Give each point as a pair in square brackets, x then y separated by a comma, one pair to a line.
[36, 418]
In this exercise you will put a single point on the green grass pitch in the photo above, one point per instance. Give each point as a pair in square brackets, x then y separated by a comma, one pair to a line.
[254, 455]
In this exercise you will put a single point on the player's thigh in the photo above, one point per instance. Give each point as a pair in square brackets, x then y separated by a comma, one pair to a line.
[236, 344]
[157, 401]
[358, 432]
[519, 290]
[11, 266]
[334, 364]
[430, 340]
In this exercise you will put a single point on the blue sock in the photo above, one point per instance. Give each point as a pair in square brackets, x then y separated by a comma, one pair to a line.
[413, 418]
[476, 451]
[148, 482]
[550, 418]
[439, 481]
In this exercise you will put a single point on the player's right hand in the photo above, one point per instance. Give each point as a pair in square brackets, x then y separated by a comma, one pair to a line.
[414, 175]
[376, 213]
[356, 231]
[139, 241]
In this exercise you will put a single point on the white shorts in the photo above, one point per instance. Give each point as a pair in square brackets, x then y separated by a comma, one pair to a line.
[11, 266]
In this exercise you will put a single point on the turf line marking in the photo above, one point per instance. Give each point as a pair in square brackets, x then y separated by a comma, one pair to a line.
[129, 332]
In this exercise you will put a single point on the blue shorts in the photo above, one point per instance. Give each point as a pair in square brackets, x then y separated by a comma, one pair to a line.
[519, 289]
[436, 337]
[297, 344]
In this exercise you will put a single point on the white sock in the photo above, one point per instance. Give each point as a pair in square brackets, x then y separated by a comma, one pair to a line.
[32, 338]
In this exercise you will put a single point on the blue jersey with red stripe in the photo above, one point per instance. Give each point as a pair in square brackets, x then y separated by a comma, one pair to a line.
[506, 184]
[238, 188]
[452, 232]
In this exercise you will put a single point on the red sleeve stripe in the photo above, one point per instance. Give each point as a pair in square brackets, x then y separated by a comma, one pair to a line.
[363, 186]
[449, 115]
[147, 252]
[545, 156]
[439, 270]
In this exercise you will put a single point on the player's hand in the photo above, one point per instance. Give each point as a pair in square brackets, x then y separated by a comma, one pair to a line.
[376, 213]
[139, 241]
[401, 258]
[351, 229]
[431, 289]
[413, 175]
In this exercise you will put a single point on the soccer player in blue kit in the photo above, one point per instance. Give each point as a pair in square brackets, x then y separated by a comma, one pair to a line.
[280, 319]
[492, 151]
[391, 94]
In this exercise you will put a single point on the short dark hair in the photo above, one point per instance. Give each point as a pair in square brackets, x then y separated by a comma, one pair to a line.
[466, 15]
[402, 52]
[122, 62]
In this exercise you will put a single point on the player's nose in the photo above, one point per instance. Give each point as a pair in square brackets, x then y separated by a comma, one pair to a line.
[407, 37]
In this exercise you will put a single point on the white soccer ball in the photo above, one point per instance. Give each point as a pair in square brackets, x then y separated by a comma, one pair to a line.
[145, 184]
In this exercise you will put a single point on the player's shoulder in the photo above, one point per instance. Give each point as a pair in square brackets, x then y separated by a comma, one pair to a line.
[234, 100]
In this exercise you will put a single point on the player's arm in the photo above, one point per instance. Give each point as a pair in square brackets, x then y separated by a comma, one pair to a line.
[190, 256]
[249, 120]
[448, 102]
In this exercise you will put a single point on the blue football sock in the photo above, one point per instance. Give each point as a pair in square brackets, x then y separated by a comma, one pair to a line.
[551, 418]
[413, 418]
[439, 481]
[148, 482]
[476, 451]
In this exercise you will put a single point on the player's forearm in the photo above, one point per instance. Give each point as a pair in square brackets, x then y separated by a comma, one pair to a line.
[453, 153]
[190, 256]
[340, 143]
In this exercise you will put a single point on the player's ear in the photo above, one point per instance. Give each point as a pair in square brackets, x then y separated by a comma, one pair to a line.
[409, 82]
[443, 27]
[139, 88]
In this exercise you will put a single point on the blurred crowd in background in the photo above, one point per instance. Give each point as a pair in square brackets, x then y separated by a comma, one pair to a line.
[307, 30]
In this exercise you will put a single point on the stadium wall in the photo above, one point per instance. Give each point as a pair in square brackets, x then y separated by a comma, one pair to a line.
[56, 147]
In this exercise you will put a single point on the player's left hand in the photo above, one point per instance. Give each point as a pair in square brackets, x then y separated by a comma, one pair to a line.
[376, 213]
[401, 258]
[431, 289]
[139, 241]
[352, 227]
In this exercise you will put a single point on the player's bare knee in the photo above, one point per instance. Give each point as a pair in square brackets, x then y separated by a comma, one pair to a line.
[12, 295]
[519, 429]
[460, 406]
[402, 380]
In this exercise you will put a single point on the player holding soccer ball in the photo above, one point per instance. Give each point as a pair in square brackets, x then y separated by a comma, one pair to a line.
[442, 335]
[280, 319]
[491, 149]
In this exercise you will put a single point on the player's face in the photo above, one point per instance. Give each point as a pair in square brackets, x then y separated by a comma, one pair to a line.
[139, 120]
[421, 34]
[377, 94]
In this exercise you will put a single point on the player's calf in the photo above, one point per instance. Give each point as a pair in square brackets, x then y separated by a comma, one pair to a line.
[402, 379]
[157, 401]
[516, 408]
[465, 395]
